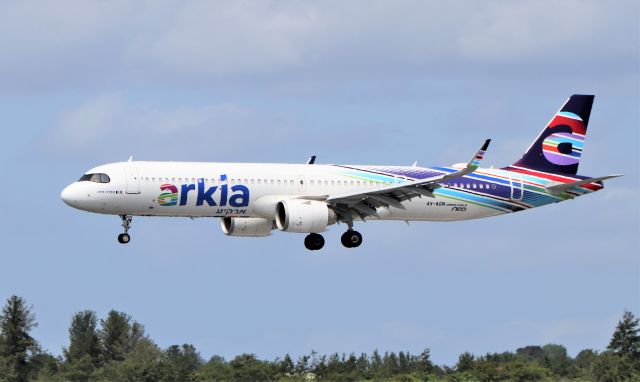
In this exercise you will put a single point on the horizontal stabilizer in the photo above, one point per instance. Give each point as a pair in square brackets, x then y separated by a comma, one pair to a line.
[565, 186]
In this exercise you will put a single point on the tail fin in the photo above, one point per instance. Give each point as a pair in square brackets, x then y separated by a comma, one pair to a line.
[559, 147]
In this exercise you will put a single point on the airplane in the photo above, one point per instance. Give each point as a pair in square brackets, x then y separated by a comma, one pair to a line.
[255, 199]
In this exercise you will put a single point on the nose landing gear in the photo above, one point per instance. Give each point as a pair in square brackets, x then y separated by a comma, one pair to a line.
[351, 239]
[124, 238]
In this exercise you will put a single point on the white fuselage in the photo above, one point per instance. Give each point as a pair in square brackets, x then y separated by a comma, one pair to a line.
[137, 189]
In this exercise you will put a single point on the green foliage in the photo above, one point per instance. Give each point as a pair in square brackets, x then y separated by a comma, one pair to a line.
[180, 363]
[626, 337]
[216, 370]
[555, 358]
[144, 363]
[119, 335]
[610, 367]
[84, 353]
[286, 365]
[465, 362]
[247, 368]
[16, 344]
[119, 351]
[531, 353]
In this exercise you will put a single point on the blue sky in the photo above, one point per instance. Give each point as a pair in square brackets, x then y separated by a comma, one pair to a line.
[374, 82]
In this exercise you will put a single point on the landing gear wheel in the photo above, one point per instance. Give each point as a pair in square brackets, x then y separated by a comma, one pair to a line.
[314, 241]
[124, 238]
[351, 239]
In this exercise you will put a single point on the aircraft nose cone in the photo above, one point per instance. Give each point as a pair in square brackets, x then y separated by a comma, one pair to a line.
[69, 196]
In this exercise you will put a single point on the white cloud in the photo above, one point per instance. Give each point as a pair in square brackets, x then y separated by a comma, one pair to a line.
[526, 30]
[72, 43]
[108, 126]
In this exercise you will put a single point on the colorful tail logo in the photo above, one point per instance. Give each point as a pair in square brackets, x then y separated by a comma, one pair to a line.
[559, 147]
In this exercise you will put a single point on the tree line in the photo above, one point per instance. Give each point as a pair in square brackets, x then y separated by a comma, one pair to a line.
[116, 348]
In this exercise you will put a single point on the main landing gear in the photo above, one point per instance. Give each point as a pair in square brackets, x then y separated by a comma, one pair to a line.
[124, 238]
[314, 241]
[349, 239]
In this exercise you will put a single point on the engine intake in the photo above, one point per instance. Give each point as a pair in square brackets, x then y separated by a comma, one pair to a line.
[247, 227]
[304, 216]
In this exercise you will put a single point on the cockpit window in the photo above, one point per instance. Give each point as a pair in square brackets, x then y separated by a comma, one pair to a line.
[97, 178]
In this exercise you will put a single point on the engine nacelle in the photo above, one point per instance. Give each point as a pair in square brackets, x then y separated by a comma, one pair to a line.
[304, 216]
[248, 227]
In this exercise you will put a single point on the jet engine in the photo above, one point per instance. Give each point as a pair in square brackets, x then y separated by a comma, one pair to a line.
[248, 227]
[304, 216]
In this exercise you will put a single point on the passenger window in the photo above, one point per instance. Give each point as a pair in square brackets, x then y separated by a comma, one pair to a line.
[493, 186]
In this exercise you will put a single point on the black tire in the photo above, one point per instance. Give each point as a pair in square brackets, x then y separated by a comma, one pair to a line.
[314, 242]
[351, 239]
[344, 239]
[124, 238]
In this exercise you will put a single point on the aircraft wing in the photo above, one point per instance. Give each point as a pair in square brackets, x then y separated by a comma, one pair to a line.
[363, 203]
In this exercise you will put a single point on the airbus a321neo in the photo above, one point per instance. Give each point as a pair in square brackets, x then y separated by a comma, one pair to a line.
[254, 199]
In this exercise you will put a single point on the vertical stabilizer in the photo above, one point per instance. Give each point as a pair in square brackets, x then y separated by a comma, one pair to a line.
[559, 147]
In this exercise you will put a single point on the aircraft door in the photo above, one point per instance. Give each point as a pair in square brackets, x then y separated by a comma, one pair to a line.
[516, 188]
[301, 184]
[133, 182]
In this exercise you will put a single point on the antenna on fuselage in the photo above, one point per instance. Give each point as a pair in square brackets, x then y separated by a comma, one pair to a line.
[130, 159]
[415, 164]
[311, 160]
